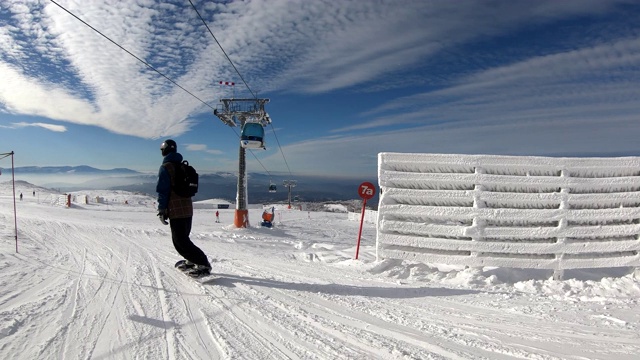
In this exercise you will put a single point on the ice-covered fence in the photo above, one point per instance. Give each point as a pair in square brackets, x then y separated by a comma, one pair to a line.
[79, 199]
[370, 216]
[509, 211]
[60, 200]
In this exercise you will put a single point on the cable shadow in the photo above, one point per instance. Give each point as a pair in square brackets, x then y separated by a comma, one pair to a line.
[153, 322]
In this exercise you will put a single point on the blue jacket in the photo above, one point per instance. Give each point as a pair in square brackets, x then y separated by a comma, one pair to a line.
[163, 187]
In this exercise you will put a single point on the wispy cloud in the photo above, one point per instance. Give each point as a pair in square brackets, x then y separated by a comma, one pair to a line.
[54, 66]
[543, 138]
[203, 148]
[51, 127]
[598, 82]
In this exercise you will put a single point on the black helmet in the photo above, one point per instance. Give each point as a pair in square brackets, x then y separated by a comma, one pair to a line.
[168, 146]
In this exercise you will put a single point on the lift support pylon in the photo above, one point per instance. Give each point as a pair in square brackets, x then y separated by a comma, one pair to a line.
[236, 112]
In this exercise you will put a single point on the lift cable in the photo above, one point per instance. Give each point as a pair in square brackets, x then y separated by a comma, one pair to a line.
[281, 151]
[130, 53]
[157, 71]
[249, 88]
[221, 48]
[265, 169]
[174, 82]
[5, 155]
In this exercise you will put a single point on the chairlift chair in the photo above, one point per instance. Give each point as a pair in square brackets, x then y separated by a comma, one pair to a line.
[252, 136]
[272, 187]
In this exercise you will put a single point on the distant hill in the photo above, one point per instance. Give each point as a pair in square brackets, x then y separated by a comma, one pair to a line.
[224, 186]
[6, 188]
[82, 169]
[220, 185]
[337, 203]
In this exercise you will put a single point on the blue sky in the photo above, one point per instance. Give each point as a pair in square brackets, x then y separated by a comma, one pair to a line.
[346, 80]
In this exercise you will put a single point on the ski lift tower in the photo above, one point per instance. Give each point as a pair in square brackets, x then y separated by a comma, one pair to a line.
[290, 184]
[237, 112]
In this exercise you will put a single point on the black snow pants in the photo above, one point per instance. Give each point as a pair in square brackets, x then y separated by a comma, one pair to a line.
[180, 230]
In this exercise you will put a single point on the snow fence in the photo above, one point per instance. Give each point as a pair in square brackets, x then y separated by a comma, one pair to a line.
[509, 211]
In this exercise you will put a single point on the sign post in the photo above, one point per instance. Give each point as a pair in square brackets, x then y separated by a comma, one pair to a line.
[366, 191]
[13, 181]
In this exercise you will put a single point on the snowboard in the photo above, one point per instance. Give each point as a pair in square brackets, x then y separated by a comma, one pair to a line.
[189, 270]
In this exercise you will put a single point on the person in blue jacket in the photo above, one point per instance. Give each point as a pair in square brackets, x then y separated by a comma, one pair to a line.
[179, 210]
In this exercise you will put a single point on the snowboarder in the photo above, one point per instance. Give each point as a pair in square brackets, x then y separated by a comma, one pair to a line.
[217, 216]
[179, 211]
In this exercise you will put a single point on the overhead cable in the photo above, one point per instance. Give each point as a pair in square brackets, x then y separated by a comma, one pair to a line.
[130, 53]
[221, 48]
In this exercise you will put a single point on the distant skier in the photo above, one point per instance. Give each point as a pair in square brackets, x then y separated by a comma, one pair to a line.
[20, 196]
[217, 216]
[179, 211]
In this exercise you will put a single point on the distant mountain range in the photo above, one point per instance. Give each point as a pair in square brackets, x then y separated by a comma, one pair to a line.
[220, 185]
[82, 169]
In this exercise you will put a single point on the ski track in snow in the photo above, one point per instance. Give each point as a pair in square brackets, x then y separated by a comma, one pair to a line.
[98, 282]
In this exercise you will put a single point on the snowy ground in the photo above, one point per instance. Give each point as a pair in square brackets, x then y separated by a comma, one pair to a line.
[96, 281]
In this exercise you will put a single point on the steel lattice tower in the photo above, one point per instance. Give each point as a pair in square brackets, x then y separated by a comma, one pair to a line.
[236, 112]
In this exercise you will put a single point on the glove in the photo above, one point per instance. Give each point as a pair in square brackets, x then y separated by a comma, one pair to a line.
[163, 215]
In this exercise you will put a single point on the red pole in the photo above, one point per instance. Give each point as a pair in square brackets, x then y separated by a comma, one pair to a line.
[15, 217]
[364, 202]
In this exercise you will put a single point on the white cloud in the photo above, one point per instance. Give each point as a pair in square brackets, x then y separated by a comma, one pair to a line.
[101, 85]
[203, 148]
[51, 127]
[357, 154]
[58, 68]
[587, 84]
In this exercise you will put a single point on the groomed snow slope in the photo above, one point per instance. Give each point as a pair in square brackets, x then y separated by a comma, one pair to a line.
[96, 281]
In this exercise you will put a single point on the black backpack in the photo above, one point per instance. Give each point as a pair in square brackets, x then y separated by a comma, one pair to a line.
[186, 179]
